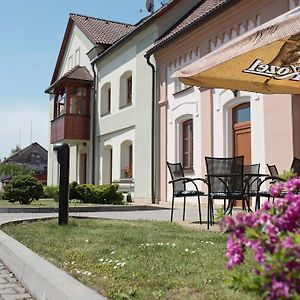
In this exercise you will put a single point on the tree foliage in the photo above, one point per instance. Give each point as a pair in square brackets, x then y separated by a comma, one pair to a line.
[24, 189]
[13, 169]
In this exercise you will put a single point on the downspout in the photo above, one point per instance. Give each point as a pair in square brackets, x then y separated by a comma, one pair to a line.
[94, 123]
[147, 56]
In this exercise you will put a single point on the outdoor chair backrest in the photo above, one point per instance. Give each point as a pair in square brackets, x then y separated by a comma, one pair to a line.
[296, 166]
[253, 182]
[225, 174]
[273, 170]
[176, 171]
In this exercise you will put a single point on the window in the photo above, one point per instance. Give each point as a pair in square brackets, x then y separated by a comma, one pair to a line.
[126, 159]
[187, 144]
[129, 90]
[78, 103]
[77, 57]
[126, 88]
[105, 105]
[70, 62]
[61, 104]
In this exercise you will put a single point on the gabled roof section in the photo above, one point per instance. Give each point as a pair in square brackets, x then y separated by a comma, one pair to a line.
[101, 31]
[139, 27]
[34, 152]
[78, 73]
[98, 31]
[201, 11]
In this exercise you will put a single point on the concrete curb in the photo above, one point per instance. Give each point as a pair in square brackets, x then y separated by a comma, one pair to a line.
[80, 208]
[43, 280]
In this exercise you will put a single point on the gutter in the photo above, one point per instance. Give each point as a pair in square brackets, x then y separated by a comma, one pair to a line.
[94, 117]
[152, 174]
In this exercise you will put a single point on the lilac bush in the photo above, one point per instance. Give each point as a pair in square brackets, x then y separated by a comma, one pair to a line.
[273, 235]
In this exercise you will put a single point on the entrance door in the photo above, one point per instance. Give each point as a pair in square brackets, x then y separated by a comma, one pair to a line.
[242, 134]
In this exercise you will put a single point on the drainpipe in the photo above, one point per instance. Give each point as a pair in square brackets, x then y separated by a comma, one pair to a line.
[152, 129]
[94, 116]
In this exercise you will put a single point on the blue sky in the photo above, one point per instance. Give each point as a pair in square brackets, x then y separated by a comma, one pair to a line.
[31, 32]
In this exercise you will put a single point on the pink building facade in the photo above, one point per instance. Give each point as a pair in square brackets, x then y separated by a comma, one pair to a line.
[194, 123]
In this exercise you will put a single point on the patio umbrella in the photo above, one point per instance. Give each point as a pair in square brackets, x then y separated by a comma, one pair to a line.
[264, 60]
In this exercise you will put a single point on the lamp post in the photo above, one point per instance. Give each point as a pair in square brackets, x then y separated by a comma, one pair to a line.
[63, 154]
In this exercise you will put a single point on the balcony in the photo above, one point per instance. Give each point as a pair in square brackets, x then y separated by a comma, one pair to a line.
[70, 127]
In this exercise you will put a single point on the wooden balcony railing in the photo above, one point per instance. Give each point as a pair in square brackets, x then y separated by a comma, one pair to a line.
[70, 127]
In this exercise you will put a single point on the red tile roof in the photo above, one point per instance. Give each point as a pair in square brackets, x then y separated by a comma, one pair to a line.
[101, 31]
[77, 73]
[200, 11]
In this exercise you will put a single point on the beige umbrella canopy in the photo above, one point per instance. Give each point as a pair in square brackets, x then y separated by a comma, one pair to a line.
[264, 60]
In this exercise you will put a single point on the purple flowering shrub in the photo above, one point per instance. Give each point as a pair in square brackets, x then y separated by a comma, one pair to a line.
[273, 236]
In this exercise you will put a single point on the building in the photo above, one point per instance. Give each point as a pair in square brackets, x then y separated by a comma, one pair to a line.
[101, 99]
[34, 157]
[194, 122]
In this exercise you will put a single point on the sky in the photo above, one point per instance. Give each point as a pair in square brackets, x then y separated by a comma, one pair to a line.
[31, 32]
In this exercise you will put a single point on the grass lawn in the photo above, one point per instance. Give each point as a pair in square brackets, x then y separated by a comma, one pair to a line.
[134, 259]
[42, 203]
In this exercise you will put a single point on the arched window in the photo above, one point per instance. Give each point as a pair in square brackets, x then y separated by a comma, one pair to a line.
[126, 159]
[187, 144]
[105, 106]
[126, 89]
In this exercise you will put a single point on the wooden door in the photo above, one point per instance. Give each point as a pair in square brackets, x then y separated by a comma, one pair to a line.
[242, 134]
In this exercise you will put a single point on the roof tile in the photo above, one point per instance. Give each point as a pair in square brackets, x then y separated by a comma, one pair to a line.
[101, 31]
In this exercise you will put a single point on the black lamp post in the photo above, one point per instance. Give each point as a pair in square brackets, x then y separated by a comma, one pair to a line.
[63, 154]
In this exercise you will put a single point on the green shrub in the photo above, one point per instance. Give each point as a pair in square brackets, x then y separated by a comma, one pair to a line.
[73, 194]
[100, 194]
[51, 192]
[23, 188]
[13, 169]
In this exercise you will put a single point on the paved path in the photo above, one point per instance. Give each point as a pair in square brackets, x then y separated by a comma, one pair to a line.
[10, 288]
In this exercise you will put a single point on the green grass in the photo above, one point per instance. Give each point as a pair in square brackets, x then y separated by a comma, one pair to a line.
[42, 203]
[162, 260]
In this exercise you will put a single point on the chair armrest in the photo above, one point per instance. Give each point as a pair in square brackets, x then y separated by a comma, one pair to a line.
[187, 179]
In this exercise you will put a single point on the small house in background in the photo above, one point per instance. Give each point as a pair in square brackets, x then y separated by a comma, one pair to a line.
[34, 158]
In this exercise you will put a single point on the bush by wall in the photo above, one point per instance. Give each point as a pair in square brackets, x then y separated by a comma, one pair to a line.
[24, 189]
[100, 194]
[73, 194]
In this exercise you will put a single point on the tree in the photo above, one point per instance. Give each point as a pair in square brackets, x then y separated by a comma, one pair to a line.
[13, 169]
[15, 150]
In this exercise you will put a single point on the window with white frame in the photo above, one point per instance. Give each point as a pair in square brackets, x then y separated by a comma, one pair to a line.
[187, 144]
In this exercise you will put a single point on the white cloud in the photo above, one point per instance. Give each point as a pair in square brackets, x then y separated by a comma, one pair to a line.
[15, 126]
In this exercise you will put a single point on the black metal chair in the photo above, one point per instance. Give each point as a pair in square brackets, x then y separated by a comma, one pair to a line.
[225, 178]
[273, 170]
[296, 166]
[251, 183]
[179, 184]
